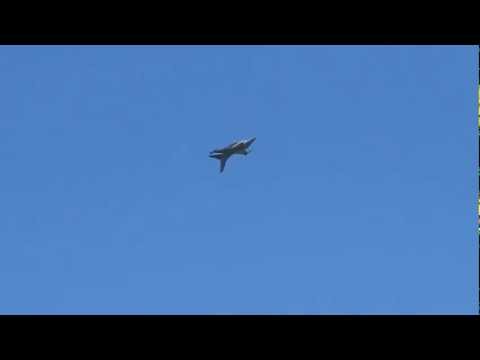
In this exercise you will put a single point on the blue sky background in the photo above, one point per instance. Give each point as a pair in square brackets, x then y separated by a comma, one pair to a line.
[359, 196]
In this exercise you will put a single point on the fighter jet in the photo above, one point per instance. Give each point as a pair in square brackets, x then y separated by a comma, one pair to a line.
[237, 148]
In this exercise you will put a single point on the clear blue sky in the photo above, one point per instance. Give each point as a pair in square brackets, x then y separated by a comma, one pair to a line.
[359, 196]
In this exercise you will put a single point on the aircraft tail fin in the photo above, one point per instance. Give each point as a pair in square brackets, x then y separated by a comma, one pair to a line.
[223, 159]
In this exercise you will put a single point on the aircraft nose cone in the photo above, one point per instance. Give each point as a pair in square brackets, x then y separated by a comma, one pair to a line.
[251, 140]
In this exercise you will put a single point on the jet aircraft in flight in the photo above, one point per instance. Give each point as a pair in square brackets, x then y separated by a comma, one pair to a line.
[236, 148]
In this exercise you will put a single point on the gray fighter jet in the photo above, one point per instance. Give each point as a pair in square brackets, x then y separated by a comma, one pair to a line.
[236, 148]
